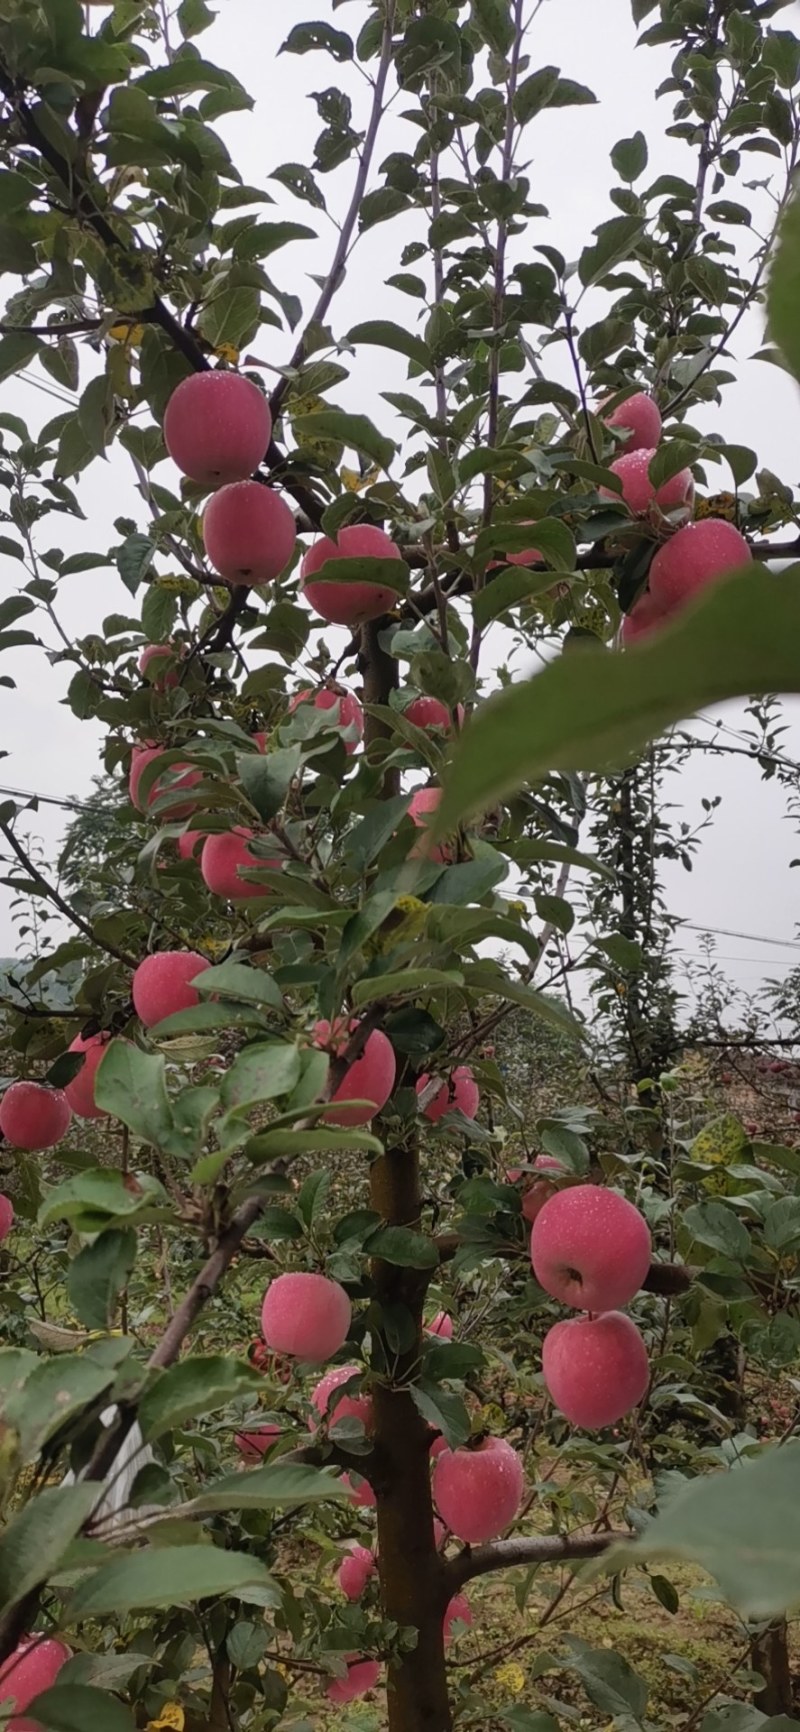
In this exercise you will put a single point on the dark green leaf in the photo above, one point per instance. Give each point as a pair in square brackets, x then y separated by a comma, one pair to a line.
[389, 336]
[197, 1385]
[269, 1488]
[783, 295]
[237, 980]
[78, 1708]
[166, 1577]
[305, 37]
[402, 1246]
[617, 239]
[266, 778]
[354, 430]
[715, 1224]
[630, 157]
[98, 1275]
[35, 1539]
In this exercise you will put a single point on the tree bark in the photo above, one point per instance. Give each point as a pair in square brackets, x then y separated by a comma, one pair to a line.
[769, 1655]
[412, 1576]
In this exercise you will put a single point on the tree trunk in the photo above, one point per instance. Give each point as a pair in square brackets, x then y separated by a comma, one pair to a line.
[769, 1655]
[411, 1571]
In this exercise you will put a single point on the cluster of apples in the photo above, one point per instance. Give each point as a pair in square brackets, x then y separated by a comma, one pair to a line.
[590, 1249]
[695, 554]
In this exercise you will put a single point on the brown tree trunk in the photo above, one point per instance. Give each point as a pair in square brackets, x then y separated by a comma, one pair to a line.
[411, 1572]
[769, 1655]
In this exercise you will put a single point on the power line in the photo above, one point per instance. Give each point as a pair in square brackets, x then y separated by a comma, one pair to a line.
[749, 937]
[47, 799]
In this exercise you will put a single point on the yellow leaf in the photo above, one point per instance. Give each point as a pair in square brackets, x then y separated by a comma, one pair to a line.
[354, 482]
[171, 1719]
[511, 1677]
[123, 332]
[227, 352]
[721, 1142]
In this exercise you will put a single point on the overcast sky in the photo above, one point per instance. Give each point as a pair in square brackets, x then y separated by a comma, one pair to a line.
[741, 880]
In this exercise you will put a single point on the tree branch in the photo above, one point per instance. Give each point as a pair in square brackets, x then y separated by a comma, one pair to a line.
[54, 896]
[540, 1549]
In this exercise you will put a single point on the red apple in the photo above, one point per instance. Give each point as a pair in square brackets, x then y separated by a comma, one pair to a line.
[80, 1092]
[459, 1611]
[34, 1117]
[369, 1078]
[346, 1406]
[432, 714]
[478, 1491]
[354, 1572]
[421, 805]
[254, 1445]
[694, 557]
[162, 984]
[190, 842]
[217, 427]
[362, 1495]
[172, 778]
[249, 533]
[154, 653]
[28, 1672]
[638, 491]
[590, 1248]
[349, 603]
[460, 1094]
[640, 416]
[6, 1216]
[221, 862]
[305, 1315]
[349, 714]
[645, 617]
[595, 1368]
[441, 1325]
[362, 1675]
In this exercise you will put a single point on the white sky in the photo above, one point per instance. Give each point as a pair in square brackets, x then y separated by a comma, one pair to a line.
[741, 879]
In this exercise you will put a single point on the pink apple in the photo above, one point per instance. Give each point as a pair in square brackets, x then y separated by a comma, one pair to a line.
[460, 1094]
[173, 778]
[152, 654]
[354, 1572]
[217, 427]
[190, 842]
[349, 603]
[80, 1092]
[249, 533]
[6, 1216]
[638, 491]
[536, 1192]
[305, 1315]
[595, 1368]
[28, 1672]
[362, 1495]
[432, 714]
[34, 1117]
[441, 1325]
[478, 1491]
[694, 557]
[162, 984]
[640, 416]
[421, 806]
[224, 856]
[346, 1406]
[254, 1445]
[459, 1611]
[590, 1248]
[645, 617]
[348, 711]
[362, 1675]
[370, 1077]
[438, 1447]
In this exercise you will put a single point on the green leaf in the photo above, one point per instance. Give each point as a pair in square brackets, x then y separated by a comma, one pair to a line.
[281, 1486]
[534, 93]
[194, 16]
[443, 1409]
[98, 1275]
[549, 535]
[403, 1247]
[617, 239]
[305, 37]
[16, 191]
[517, 583]
[630, 157]
[388, 573]
[671, 456]
[78, 1708]
[167, 1577]
[365, 842]
[270, 1145]
[260, 1073]
[783, 294]
[36, 1538]
[416, 981]
[356, 431]
[742, 1526]
[609, 1681]
[237, 980]
[197, 1385]
[267, 777]
[389, 336]
[494, 21]
[592, 707]
[16, 350]
[300, 181]
[97, 1197]
[131, 1085]
[715, 1225]
[380, 205]
[134, 559]
[50, 1396]
[232, 317]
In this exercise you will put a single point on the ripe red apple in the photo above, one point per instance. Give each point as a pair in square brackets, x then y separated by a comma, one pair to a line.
[432, 714]
[595, 1368]
[478, 1491]
[254, 1445]
[173, 778]
[349, 603]
[362, 1675]
[34, 1117]
[162, 984]
[28, 1672]
[460, 1094]
[537, 1191]
[693, 558]
[249, 533]
[370, 1077]
[590, 1248]
[306, 1315]
[346, 1406]
[154, 653]
[362, 1495]
[189, 843]
[645, 617]
[441, 1325]
[641, 417]
[6, 1216]
[80, 1092]
[224, 855]
[217, 427]
[349, 713]
[638, 491]
[529, 556]
[354, 1572]
[421, 805]
[459, 1611]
